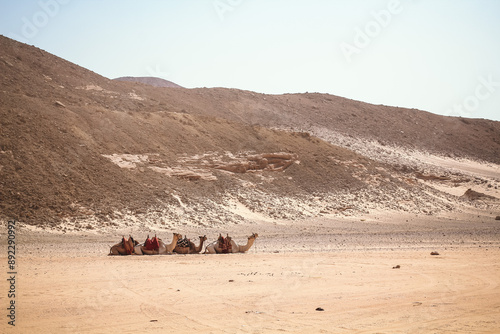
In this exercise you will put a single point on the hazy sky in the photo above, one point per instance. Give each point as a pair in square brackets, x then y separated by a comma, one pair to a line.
[442, 56]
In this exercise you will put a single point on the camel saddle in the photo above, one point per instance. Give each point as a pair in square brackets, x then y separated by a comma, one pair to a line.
[184, 242]
[128, 245]
[152, 244]
[225, 244]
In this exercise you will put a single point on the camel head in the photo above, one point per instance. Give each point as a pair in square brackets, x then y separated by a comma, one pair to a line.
[203, 238]
[177, 236]
[253, 236]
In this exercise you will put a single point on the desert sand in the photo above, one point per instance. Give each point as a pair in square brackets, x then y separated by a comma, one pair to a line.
[347, 267]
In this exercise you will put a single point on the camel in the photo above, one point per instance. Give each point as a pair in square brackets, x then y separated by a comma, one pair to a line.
[243, 248]
[221, 245]
[164, 248]
[191, 248]
[125, 247]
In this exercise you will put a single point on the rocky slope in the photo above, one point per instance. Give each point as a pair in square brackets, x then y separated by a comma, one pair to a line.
[152, 81]
[78, 148]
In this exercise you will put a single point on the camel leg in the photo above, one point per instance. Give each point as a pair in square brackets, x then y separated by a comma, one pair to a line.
[149, 252]
[138, 250]
[121, 250]
[210, 249]
[113, 251]
[117, 250]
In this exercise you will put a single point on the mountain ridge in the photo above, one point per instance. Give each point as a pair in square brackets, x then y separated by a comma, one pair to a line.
[152, 81]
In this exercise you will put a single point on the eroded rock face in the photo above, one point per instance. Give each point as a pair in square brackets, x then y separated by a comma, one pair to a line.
[265, 161]
[201, 167]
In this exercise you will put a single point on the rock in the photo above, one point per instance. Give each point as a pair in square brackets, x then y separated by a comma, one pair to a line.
[7, 62]
[497, 218]
[434, 253]
[319, 309]
[59, 104]
[474, 195]
[396, 267]
[266, 161]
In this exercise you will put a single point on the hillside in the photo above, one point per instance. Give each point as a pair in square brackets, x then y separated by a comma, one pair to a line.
[80, 148]
[323, 115]
[152, 81]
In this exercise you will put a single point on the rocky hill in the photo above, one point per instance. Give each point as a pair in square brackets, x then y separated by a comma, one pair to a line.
[152, 81]
[89, 151]
[336, 118]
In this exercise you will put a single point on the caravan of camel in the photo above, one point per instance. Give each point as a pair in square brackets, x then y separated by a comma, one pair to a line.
[179, 245]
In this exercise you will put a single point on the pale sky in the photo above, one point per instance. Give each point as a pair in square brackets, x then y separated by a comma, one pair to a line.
[441, 56]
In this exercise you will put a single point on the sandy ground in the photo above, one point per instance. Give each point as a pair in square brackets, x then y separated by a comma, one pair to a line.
[67, 284]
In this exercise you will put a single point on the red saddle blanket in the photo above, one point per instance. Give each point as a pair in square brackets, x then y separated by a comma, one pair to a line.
[152, 244]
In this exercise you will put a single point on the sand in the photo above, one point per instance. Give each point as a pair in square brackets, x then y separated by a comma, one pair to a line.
[67, 284]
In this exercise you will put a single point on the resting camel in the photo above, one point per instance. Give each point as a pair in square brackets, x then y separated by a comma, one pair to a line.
[219, 246]
[164, 248]
[243, 248]
[124, 247]
[191, 249]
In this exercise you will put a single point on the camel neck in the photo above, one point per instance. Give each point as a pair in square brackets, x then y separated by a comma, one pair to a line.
[248, 245]
[198, 249]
